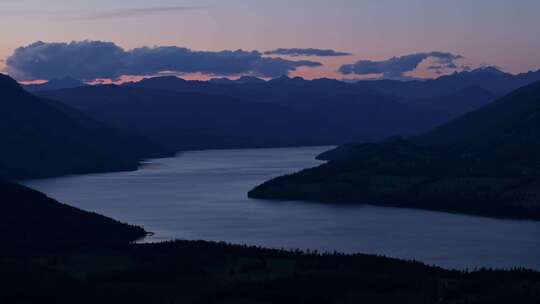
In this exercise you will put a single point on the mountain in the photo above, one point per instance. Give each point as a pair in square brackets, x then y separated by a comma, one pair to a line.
[192, 120]
[173, 83]
[31, 220]
[223, 80]
[55, 84]
[503, 113]
[241, 80]
[42, 138]
[282, 90]
[489, 78]
[459, 102]
[453, 94]
[250, 112]
[486, 162]
[371, 117]
[249, 79]
[187, 121]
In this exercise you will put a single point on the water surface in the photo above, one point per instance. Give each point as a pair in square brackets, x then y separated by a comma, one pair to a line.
[202, 195]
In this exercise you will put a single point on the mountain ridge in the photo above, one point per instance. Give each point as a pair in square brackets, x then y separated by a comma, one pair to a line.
[194, 120]
[29, 220]
[43, 138]
[489, 165]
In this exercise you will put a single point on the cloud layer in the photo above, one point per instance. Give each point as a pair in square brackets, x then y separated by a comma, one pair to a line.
[396, 67]
[307, 52]
[89, 60]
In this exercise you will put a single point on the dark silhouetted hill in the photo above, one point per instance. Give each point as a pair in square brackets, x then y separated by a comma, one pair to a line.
[249, 79]
[458, 103]
[502, 114]
[193, 120]
[42, 138]
[29, 220]
[203, 272]
[486, 162]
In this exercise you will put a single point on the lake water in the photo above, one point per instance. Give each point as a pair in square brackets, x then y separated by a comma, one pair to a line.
[202, 196]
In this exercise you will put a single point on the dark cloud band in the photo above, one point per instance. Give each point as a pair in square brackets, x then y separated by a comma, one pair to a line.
[89, 60]
[307, 52]
[396, 67]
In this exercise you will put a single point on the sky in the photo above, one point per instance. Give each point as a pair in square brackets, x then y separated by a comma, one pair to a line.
[503, 33]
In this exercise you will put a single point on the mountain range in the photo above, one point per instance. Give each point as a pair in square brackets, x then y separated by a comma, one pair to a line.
[495, 81]
[68, 127]
[486, 162]
[42, 137]
[452, 93]
[250, 112]
[187, 120]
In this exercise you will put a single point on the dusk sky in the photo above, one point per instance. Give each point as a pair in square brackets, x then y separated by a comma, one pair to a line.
[503, 33]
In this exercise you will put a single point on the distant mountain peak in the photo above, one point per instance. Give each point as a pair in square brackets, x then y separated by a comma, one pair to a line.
[324, 80]
[287, 79]
[485, 71]
[63, 83]
[488, 70]
[249, 79]
[282, 78]
[222, 80]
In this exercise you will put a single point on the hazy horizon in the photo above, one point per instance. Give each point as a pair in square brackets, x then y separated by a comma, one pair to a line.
[343, 39]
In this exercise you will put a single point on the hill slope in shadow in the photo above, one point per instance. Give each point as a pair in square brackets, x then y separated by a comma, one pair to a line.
[486, 163]
[42, 138]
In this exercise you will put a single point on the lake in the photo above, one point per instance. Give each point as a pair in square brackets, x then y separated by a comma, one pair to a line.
[202, 195]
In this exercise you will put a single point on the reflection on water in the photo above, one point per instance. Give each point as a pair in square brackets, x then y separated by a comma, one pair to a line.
[202, 195]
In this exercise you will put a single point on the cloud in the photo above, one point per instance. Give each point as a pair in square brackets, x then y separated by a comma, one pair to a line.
[440, 68]
[396, 67]
[90, 60]
[137, 12]
[97, 14]
[435, 67]
[275, 66]
[307, 52]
